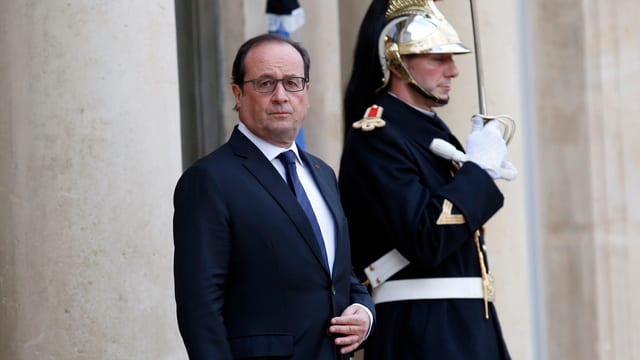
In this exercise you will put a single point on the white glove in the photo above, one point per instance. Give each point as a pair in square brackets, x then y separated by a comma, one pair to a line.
[487, 148]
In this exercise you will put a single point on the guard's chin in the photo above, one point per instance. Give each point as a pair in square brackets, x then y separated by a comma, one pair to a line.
[439, 101]
[442, 101]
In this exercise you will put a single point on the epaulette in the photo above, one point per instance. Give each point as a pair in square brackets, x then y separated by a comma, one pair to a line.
[372, 119]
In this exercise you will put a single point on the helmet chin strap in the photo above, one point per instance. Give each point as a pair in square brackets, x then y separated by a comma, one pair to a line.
[414, 85]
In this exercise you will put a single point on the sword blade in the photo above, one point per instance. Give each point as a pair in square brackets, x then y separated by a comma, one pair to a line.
[482, 101]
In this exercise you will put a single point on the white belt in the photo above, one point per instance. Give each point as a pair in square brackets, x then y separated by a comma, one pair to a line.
[431, 288]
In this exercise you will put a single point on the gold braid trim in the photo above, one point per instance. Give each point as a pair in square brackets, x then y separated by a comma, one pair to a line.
[488, 289]
[447, 218]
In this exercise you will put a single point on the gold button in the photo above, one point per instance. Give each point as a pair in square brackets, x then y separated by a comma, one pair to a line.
[378, 280]
[371, 267]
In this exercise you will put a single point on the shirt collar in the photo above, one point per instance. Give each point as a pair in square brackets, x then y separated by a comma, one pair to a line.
[269, 150]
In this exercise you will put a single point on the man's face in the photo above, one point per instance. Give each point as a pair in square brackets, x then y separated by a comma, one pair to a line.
[275, 117]
[434, 73]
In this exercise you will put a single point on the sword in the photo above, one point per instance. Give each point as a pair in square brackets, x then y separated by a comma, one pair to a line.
[508, 124]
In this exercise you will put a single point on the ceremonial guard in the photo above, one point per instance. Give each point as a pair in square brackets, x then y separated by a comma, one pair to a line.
[416, 200]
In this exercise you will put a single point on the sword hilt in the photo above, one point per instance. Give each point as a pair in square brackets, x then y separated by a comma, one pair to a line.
[507, 123]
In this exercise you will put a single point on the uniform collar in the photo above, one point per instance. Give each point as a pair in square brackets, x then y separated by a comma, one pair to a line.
[426, 112]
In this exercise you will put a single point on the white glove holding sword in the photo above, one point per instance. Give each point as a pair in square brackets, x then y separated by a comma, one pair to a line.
[485, 147]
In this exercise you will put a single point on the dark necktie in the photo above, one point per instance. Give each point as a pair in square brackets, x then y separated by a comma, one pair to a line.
[288, 159]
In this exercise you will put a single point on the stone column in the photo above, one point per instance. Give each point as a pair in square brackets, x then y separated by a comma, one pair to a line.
[242, 20]
[321, 36]
[587, 64]
[89, 155]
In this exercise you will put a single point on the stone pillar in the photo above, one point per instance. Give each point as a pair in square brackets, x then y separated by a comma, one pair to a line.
[89, 155]
[321, 36]
[242, 20]
[587, 62]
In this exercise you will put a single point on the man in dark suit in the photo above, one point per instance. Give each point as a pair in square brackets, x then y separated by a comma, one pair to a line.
[262, 260]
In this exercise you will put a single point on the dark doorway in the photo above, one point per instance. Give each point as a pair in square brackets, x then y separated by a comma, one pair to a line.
[201, 79]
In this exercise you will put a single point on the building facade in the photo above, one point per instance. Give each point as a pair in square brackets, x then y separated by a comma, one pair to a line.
[104, 103]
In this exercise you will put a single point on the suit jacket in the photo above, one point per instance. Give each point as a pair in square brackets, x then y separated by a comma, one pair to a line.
[250, 280]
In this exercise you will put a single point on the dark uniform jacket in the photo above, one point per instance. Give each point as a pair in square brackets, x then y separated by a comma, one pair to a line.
[250, 280]
[393, 189]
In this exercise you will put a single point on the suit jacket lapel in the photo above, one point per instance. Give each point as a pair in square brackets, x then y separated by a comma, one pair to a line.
[265, 174]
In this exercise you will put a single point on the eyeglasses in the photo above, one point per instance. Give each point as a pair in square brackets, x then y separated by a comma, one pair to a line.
[268, 84]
